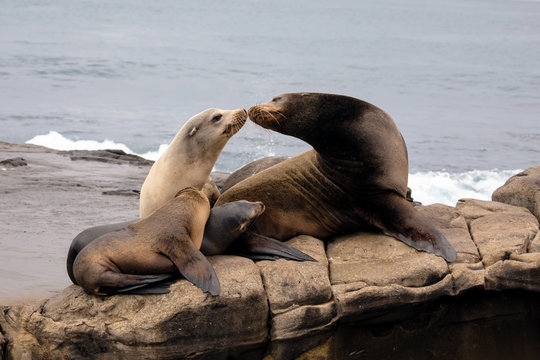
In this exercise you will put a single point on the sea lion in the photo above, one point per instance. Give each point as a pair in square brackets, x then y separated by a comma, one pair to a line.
[251, 169]
[150, 251]
[190, 157]
[224, 225]
[355, 177]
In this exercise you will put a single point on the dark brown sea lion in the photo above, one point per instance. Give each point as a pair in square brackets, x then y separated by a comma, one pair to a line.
[224, 225]
[151, 250]
[355, 177]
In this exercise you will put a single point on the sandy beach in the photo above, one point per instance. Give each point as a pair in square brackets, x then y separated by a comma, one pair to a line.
[46, 203]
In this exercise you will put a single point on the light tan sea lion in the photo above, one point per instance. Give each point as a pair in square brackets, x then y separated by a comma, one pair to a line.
[190, 157]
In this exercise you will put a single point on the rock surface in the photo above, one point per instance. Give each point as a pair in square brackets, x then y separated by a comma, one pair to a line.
[522, 189]
[366, 295]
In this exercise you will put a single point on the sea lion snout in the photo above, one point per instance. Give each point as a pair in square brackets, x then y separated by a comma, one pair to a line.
[237, 120]
[267, 115]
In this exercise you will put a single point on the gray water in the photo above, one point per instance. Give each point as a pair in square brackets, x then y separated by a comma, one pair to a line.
[460, 78]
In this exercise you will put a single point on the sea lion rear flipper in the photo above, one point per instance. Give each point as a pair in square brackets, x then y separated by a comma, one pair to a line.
[85, 237]
[194, 266]
[111, 282]
[259, 247]
[161, 287]
[398, 218]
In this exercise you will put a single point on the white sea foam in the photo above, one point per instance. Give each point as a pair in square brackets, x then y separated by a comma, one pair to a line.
[427, 187]
[57, 141]
[447, 188]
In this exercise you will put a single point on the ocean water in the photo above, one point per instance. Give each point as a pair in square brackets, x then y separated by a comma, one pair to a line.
[461, 78]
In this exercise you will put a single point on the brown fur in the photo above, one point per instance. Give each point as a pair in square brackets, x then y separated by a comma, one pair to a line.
[354, 178]
[150, 250]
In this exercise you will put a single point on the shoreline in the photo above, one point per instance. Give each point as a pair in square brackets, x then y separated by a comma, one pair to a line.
[365, 279]
[47, 202]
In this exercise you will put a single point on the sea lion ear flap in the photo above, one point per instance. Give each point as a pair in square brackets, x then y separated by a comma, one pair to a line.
[193, 131]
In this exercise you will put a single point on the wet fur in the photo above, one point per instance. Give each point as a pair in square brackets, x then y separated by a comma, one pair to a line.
[354, 178]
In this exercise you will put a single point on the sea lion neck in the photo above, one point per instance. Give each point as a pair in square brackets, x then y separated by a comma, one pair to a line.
[359, 177]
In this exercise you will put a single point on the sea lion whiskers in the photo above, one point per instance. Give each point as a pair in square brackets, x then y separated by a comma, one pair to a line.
[236, 124]
[265, 115]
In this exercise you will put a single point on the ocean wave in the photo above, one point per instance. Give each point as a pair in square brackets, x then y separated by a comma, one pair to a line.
[447, 188]
[57, 141]
[427, 187]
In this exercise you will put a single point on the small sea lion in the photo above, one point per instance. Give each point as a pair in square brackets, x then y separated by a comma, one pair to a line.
[224, 225]
[190, 157]
[354, 178]
[151, 250]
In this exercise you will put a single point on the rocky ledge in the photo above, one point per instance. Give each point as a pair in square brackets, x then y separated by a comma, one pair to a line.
[367, 296]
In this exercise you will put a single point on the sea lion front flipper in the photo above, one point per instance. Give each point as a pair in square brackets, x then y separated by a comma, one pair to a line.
[398, 218]
[194, 266]
[259, 247]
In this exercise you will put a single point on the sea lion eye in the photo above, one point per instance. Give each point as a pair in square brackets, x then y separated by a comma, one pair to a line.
[276, 99]
[216, 118]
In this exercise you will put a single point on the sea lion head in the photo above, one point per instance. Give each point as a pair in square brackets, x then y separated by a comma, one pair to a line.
[216, 125]
[335, 125]
[227, 222]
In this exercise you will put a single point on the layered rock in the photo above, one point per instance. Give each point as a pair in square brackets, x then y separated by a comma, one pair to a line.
[367, 295]
[284, 307]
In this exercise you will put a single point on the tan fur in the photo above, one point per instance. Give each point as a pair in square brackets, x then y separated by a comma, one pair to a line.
[190, 157]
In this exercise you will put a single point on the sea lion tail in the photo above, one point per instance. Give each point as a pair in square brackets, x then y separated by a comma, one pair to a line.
[399, 219]
[258, 247]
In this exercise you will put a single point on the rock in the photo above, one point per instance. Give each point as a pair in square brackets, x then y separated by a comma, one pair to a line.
[467, 277]
[520, 271]
[497, 229]
[454, 227]
[124, 192]
[299, 293]
[379, 260]
[370, 272]
[472, 209]
[111, 156]
[522, 189]
[183, 323]
[250, 169]
[368, 295]
[15, 162]
[535, 243]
